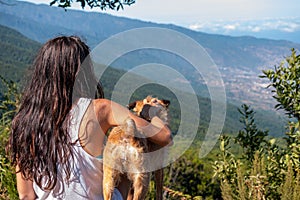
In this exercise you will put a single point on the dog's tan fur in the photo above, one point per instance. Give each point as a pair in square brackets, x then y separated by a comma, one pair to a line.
[124, 153]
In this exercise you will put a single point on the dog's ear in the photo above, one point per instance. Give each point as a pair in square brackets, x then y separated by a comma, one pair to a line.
[166, 102]
[131, 105]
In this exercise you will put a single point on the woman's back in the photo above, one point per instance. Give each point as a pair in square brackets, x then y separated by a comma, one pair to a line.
[86, 173]
[54, 142]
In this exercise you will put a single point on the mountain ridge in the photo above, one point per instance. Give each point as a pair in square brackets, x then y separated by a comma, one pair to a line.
[243, 57]
[96, 27]
[17, 53]
[110, 78]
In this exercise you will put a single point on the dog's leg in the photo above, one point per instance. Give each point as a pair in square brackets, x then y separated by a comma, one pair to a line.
[159, 176]
[109, 182]
[130, 194]
[159, 173]
[125, 187]
[140, 185]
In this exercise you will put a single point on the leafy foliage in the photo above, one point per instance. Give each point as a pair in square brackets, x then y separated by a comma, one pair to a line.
[102, 4]
[8, 106]
[267, 176]
[285, 80]
[251, 138]
[268, 169]
[192, 177]
[271, 171]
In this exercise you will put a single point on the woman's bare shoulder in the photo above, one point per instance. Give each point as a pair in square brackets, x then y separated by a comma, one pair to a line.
[101, 105]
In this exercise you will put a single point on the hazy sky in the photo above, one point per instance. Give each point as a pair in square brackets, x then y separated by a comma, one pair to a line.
[187, 12]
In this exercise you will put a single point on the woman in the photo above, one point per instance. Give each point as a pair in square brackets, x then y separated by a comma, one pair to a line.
[57, 135]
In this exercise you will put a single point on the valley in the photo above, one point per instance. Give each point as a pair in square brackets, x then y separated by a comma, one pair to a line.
[240, 60]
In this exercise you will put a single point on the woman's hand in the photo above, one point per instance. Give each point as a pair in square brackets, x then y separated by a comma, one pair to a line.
[165, 136]
[156, 121]
[112, 114]
[24, 187]
[148, 112]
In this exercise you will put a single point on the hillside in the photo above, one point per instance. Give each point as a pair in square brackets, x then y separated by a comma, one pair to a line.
[25, 48]
[47, 22]
[17, 53]
[266, 120]
[239, 59]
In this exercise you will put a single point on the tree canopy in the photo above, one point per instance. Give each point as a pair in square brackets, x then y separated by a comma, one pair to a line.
[102, 4]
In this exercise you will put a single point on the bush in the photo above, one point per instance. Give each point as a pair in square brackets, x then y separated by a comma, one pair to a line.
[267, 170]
[8, 106]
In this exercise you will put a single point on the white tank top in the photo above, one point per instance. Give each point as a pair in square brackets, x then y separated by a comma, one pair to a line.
[87, 173]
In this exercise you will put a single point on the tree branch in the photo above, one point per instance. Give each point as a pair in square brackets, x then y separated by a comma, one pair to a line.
[102, 4]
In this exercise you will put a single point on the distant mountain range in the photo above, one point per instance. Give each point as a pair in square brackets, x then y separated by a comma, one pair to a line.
[18, 52]
[239, 59]
[276, 28]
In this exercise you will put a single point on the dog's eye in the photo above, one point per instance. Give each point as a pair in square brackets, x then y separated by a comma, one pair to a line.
[154, 101]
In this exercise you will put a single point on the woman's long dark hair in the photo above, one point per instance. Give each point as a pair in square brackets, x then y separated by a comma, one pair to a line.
[39, 139]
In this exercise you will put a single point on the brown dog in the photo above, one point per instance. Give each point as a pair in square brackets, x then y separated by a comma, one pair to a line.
[125, 150]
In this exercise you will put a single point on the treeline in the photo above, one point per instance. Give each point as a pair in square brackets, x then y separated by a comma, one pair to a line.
[16, 55]
[248, 164]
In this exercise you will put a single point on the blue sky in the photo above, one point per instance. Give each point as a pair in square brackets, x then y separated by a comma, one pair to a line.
[216, 16]
[189, 11]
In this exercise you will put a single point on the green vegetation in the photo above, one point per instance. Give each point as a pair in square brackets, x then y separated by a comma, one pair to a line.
[249, 163]
[8, 105]
[16, 55]
[267, 169]
[15, 58]
[111, 76]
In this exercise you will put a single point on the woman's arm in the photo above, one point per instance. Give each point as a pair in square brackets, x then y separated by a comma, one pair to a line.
[112, 114]
[24, 187]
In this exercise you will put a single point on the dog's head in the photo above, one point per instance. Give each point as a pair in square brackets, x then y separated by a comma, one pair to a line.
[146, 107]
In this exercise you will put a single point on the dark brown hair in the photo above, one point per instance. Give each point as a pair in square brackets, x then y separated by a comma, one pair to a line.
[39, 139]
